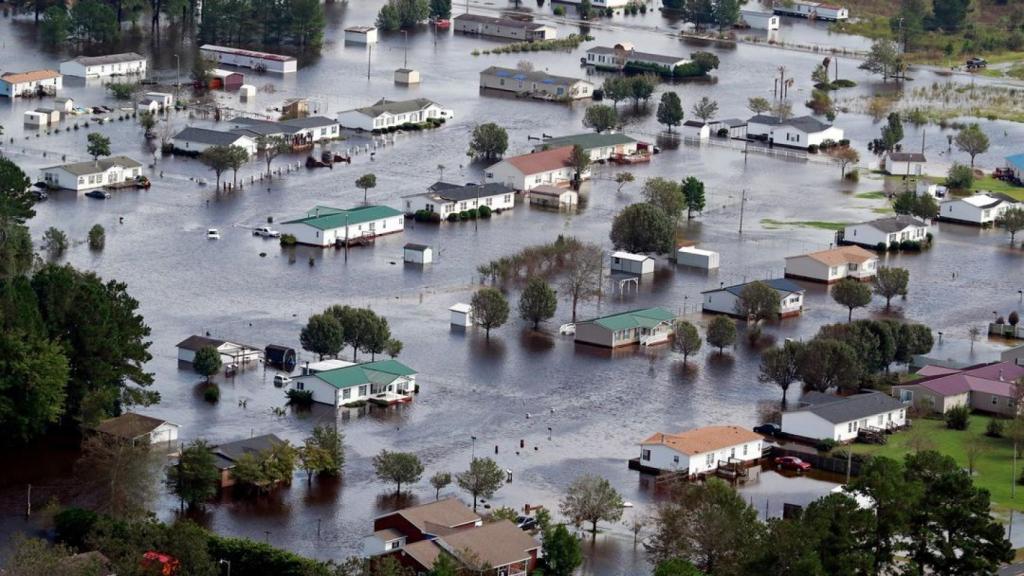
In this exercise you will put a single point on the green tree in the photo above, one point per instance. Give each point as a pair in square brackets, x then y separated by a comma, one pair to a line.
[950, 15]
[489, 141]
[562, 552]
[882, 479]
[721, 332]
[33, 376]
[362, 329]
[780, 366]
[236, 158]
[306, 22]
[960, 177]
[377, 335]
[883, 58]
[643, 228]
[705, 61]
[665, 194]
[600, 117]
[873, 343]
[623, 178]
[55, 242]
[271, 147]
[445, 564]
[758, 105]
[365, 182]
[483, 479]
[758, 301]
[489, 309]
[705, 108]
[404, 13]
[16, 201]
[591, 499]
[670, 110]
[686, 340]
[971, 140]
[538, 302]
[218, 159]
[194, 478]
[616, 89]
[693, 193]
[98, 145]
[206, 362]
[398, 468]
[1013, 221]
[393, 347]
[441, 9]
[264, 470]
[93, 21]
[851, 294]
[148, 121]
[56, 26]
[726, 12]
[579, 161]
[440, 480]
[844, 156]
[121, 475]
[825, 363]
[323, 452]
[892, 132]
[676, 567]
[641, 88]
[890, 282]
[322, 335]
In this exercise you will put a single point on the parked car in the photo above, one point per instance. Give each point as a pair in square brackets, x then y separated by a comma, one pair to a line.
[281, 380]
[769, 429]
[213, 234]
[98, 194]
[792, 463]
[526, 522]
[976, 63]
[266, 232]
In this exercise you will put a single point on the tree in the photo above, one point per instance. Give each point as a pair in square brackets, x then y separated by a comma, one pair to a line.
[579, 161]
[693, 193]
[323, 453]
[643, 228]
[758, 301]
[236, 157]
[538, 302]
[206, 362]
[1013, 221]
[838, 527]
[852, 294]
[950, 15]
[972, 141]
[16, 199]
[623, 178]
[676, 567]
[489, 141]
[844, 156]
[98, 145]
[670, 110]
[441, 9]
[820, 75]
[705, 61]
[440, 480]
[322, 335]
[377, 334]
[705, 109]
[33, 377]
[218, 159]
[665, 194]
[397, 14]
[148, 121]
[882, 479]
[883, 58]
[616, 89]
[93, 21]
[489, 309]
[780, 366]
[921, 206]
[726, 12]
[271, 147]
[892, 132]
[264, 470]
[119, 474]
[55, 242]
[562, 552]
[365, 182]
[398, 468]
[194, 478]
[721, 332]
[890, 282]
[445, 565]
[960, 177]
[825, 363]
[56, 26]
[37, 557]
[600, 117]
[686, 340]
[758, 105]
[393, 347]
[483, 479]
[591, 499]
[582, 279]
[641, 88]
[307, 22]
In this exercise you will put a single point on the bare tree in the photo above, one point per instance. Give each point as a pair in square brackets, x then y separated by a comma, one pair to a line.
[974, 449]
[583, 278]
[120, 474]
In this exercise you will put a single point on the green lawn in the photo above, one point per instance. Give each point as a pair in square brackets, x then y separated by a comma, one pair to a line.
[993, 469]
[876, 195]
[771, 224]
[991, 184]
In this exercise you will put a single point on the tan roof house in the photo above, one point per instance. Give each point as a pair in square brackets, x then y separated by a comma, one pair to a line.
[833, 265]
[698, 451]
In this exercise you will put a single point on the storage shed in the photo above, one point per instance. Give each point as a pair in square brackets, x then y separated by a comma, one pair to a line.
[226, 80]
[553, 196]
[697, 258]
[407, 76]
[461, 315]
[632, 263]
[418, 253]
[246, 92]
[280, 356]
[33, 118]
[361, 34]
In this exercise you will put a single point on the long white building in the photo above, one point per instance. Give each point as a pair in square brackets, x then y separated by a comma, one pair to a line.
[503, 27]
[384, 114]
[444, 198]
[700, 450]
[126, 64]
[82, 176]
[981, 209]
[723, 300]
[15, 84]
[886, 232]
[800, 132]
[528, 171]
[388, 381]
[259, 61]
[326, 226]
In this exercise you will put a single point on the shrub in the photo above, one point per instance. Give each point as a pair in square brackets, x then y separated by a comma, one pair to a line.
[211, 393]
[960, 177]
[473, 213]
[958, 418]
[464, 215]
[910, 246]
[1000, 321]
[485, 211]
[826, 445]
[559, 10]
[288, 240]
[1014, 318]
[97, 237]
[299, 397]
[435, 217]
[723, 132]
[994, 428]
[844, 142]
[843, 83]
[881, 248]
[812, 149]
[453, 217]
[853, 176]
[72, 525]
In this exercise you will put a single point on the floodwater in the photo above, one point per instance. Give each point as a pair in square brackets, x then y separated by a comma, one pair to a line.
[597, 405]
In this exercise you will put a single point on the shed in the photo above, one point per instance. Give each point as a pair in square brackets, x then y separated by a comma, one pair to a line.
[280, 356]
[361, 34]
[407, 76]
[226, 80]
[52, 115]
[461, 315]
[64, 104]
[697, 258]
[33, 118]
[246, 92]
[547, 195]
[137, 428]
[418, 253]
[632, 263]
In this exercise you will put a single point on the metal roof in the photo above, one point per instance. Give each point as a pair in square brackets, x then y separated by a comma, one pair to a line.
[838, 409]
[101, 165]
[108, 59]
[534, 75]
[457, 193]
[587, 141]
[782, 285]
[310, 122]
[506, 22]
[641, 318]
[896, 223]
[327, 218]
[207, 136]
[382, 372]
[1017, 161]
[385, 106]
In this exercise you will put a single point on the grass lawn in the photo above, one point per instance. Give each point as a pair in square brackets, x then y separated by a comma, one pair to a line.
[771, 224]
[993, 469]
[876, 195]
[991, 184]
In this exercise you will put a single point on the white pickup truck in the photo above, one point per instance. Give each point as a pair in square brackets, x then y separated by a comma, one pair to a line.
[266, 232]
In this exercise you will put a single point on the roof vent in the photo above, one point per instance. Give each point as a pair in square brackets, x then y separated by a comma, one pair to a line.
[1000, 374]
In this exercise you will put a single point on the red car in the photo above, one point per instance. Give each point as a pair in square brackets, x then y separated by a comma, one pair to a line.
[792, 463]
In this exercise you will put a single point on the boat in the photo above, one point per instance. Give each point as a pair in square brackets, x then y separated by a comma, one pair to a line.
[213, 234]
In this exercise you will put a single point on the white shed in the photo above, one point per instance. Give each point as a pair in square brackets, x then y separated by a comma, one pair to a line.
[697, 258]
[461, 315]
[33, 118]
[632, 263]
[418, 253]
[407, 76]
[361, 34]
[246, 92]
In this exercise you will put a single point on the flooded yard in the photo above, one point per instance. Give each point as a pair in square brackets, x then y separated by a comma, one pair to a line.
[574, 409]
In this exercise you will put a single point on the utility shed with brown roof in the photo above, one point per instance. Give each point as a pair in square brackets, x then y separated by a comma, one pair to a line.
[833, 265]
[133, 427]
[698, 451]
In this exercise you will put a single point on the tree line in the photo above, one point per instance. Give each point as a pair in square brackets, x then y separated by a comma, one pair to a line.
[327, 333]
[267, 22]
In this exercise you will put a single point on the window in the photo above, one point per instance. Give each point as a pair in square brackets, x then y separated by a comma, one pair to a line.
[675, 460]
[508, 197]
[994, 400]
[363, 390]
[710, 459]
[881, 419]
[346, 393]
[300, 385]
[645, 454]
[849, 427]
[732, 452]
[745, 446]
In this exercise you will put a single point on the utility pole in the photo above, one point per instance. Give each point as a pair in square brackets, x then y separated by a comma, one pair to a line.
[346, 237]
[743, 205]
[369, 52]
[405, 56]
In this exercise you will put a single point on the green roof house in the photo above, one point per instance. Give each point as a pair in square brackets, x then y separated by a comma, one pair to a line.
[646, 327]
[382, 382]
[606, 146]
[327, 226]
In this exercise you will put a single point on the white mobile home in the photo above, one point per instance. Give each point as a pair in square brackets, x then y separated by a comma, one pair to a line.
[602, 3]
[701, 450]
[623, 54]
[602, 147]
[904, 163]
[230, 352]
[833, 265]
[259, 61]
[194, 140]
[126, 64]
[811, 10]
[528, 171]
[646, 327]
[445, 199]
[723, 300]
[760, 20]
[16, 84]
[536, 84]
[89, 175]
[325, 226]
[886, 232]
[387, 381]
[384, 114]
[632, 263]
[503, 27]
[697, 258]
[35, 119]
[981, 209]
[824, 416]
[800, 132]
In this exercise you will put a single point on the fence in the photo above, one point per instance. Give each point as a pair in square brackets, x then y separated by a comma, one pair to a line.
[823, 463]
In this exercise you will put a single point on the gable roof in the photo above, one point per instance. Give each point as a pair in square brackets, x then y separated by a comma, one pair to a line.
[381, 372]
[195, 343]
[384, 105]
[542, 161]
[640, 318]
[232, 451]
[424, 552]
[130, 425]
[207, 136]
[31, 76]
[531, 75]
[782, 285]
[448, 513]
[457, 193]
[327, 218]
[984, 200]
[807, 124]
[840, 255]
[101, 165]
[587, 141]
[895, 223]
[996, 378]
[259, 126]
[839, 409]
[309, 122]
[496, 544]
[108, 59]
[997, 370]
[506, 22]
[703, 440]
[634, 55]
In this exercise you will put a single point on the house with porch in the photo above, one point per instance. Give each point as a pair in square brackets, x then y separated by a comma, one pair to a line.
[444, 198]
[987, 388]
[535, 84]
[385, 114]
[601, 147]
[624, 54]
[800, 132]
[644, 326]
[124, 64]
[833, 265]
[840, 418]
[698, 451]
[724, 300]
[982, 209]
[526, 172]
[92, 174]
[513, 29]
[326, 226]
[32, 83]
[230, 352]
[382, 382]
[885, 232]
